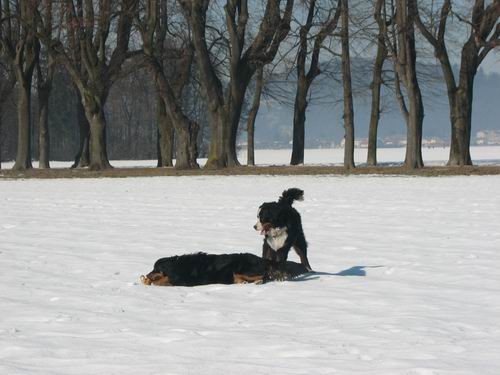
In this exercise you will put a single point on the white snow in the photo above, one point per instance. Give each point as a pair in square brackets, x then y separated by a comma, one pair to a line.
[415, 286]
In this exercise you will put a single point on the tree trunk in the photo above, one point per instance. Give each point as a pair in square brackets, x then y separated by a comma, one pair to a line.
[182, 150]
[400, 97]
[252, 116]
[239, 87]
[374, 118]
[460, 103]
[23, 156]
[43, 128]
[376, 86]
[461, 128]
[94, 111]
[186, 150]
[213, 161]
[194, 129]
[299, 120]
[1, 130]
[218, 156]
[228, 125]
[303, 83]
[461, 124]
[413, 158]
[174, 117]
[233, 121]
[1, 135]
[406, 70]
[347, 85]
[82, 158]
[212, 87]
[5, 90]
[165, 135]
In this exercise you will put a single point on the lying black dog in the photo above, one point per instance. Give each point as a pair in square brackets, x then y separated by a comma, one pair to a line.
[202, 269]
[281, 226]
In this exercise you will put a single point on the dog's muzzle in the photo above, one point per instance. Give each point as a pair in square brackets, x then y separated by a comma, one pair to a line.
[263, 228]
[258, 226]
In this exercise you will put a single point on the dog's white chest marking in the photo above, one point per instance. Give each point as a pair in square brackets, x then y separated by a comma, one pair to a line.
[276, 238]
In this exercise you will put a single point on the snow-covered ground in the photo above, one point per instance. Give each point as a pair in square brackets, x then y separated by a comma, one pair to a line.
[415, 284]
[436, 156]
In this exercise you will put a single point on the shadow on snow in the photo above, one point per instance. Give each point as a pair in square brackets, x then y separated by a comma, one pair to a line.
[353, 271]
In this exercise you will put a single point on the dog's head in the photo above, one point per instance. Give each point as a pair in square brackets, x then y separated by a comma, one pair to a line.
[273, 215]
[155, 278]
[268, 217]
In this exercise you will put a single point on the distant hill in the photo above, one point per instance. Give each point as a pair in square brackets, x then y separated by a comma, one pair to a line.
[324, 121]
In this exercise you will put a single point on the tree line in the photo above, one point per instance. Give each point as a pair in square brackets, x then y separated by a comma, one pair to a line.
[209, 63]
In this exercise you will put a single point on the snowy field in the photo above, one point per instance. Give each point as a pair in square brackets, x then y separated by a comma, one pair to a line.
[436, 156]
[415, 284]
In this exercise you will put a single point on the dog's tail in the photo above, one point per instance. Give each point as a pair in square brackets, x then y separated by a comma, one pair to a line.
[291, 195]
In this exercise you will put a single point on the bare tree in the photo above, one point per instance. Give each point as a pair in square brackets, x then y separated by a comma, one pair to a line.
[74, 50]
[484, 35]
[401, 45]
[45, 69]
[380, 18]
[165, 135]
[305, 79]
[7, 82]
[82, 157]
[225, 106]
[153, 26]
[347, 86]
[18, 45]
[254, 109]
[100, 31]
[44, 73]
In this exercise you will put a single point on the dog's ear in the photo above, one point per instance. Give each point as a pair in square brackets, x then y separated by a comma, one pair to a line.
[267, 226]
[155, 276]
[264, 214]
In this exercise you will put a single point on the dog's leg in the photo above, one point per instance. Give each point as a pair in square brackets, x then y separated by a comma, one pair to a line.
[243, 279]
[275, 271]
[300, 247]
[267, 252]
[282, 252]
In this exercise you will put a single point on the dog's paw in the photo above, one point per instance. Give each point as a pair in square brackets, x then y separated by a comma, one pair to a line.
[283, 277]
[278, 276]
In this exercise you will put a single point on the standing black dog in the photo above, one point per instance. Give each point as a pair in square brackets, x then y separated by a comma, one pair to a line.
[281, 226]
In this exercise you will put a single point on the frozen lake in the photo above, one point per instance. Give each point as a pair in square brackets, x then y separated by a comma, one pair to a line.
[415, 288]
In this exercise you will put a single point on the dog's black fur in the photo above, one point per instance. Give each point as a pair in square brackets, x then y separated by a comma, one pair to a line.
[281, 225]
[202, 269]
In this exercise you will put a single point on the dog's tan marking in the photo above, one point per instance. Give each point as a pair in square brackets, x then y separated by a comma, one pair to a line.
[156, 278]
[242, 279]
[145, 280]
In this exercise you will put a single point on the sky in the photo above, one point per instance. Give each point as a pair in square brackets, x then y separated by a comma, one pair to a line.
[491, 63]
